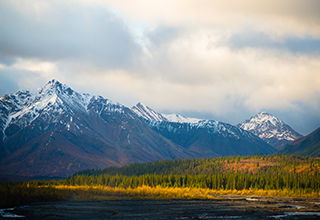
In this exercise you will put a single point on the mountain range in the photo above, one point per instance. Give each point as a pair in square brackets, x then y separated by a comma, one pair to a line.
[56, 131]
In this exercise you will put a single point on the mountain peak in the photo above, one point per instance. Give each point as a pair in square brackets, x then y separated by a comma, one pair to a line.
[261, 114]
[53, 81]
[53, 85]
[270, 129]
[141, 105]
[265, 118]
[145, 112]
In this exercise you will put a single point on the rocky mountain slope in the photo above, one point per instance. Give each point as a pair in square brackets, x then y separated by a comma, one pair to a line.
[208, 138]
[55, 131]
[271, 129]
[305, 146]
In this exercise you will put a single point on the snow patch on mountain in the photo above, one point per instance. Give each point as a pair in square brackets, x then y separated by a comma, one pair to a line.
[147, 113]
[267, 126]
[180, 118]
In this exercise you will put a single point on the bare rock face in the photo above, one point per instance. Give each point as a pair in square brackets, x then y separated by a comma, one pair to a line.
[271, 129]
[55, 131]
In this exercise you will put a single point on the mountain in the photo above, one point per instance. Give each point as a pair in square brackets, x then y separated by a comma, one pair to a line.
[305, 146]
[207, 138]
[55, 131]
[271, 129]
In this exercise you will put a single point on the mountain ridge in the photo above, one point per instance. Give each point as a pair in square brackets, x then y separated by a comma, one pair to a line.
[148, 113]
[207, 137]
[305, 146]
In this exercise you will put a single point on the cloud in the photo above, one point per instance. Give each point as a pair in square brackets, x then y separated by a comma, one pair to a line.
[8, 84]
[59, 30]
[253, 39]
[273, 17]
[26, 74]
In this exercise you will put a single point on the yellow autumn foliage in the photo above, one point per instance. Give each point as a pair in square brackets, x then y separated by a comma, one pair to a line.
[158, 192]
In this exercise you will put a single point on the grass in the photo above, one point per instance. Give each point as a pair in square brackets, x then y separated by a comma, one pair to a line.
[13, 195]
[261, 192]
[23, 194]
[143, 192]
[158, 192]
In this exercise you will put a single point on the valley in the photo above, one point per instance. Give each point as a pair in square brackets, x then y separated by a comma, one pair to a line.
[86, 156]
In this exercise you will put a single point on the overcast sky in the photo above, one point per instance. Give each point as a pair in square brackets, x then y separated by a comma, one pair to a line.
[222, 60]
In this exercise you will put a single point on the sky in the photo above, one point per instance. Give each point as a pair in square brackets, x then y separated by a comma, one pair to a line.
[221, 60]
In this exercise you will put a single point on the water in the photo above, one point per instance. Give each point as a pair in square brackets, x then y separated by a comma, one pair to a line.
[205, 216]
[286, 214]
[5, 214]
[291, 206]
[252, 199]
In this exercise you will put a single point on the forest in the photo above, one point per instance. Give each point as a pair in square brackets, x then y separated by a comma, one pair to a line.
[226, 173]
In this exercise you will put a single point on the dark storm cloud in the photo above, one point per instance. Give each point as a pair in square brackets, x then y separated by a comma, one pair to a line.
[294, 44]
[61, 30]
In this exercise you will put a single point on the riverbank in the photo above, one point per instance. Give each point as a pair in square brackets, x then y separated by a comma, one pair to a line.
[226, 207]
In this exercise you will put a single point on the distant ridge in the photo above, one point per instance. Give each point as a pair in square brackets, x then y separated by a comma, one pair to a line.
[305, 146]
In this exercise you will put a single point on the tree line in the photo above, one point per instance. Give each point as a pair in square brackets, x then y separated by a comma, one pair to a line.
[212, 173]
[223, 181]
[279, 164]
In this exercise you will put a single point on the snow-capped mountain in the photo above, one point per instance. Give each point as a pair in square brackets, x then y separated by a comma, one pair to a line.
[147, 113]
[49, 103]
[208, 138]
[55, 131]
[271, 129]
